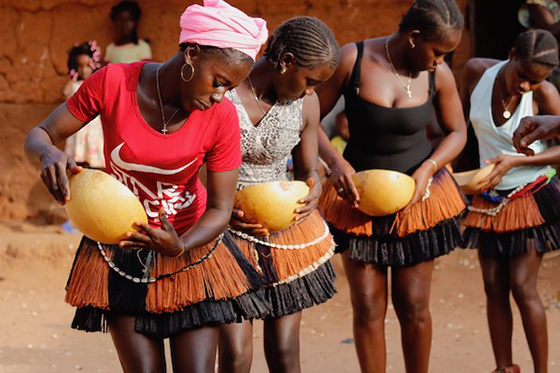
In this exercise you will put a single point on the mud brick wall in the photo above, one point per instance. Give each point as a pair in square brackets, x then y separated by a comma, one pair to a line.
[35, 36]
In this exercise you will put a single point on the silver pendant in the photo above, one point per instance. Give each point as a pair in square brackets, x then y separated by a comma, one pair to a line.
[506, 114]
[409, 92]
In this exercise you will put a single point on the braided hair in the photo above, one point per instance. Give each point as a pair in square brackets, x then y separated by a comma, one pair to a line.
[88, 48]
[537, 46]
[433, 18]
[310, 41]
[135, 12]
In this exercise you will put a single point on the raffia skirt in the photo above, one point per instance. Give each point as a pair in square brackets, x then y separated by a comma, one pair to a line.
[295, 263]
[428, 230]
[532, 221]
[209, 285]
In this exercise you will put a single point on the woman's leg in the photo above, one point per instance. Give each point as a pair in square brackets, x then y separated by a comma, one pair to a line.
[495, 273]
[411, 299]
[194, 351]
[281, 343]
[368, 292]
[235, 352]
[137, 353]
[523, 277]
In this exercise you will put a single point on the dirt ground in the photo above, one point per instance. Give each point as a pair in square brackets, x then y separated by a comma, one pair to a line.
[36, 337]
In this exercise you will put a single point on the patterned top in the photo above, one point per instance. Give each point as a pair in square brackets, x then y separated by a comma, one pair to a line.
[266, 147]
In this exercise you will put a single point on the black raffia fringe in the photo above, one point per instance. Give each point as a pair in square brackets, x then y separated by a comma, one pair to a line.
[314, 288]
[206, 313]
[124, 295]
[504, 245]
[401, 251]
[255, 279]
[90, 319]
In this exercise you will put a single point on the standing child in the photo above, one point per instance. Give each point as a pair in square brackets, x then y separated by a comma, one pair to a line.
[86, 145]
[127, 47]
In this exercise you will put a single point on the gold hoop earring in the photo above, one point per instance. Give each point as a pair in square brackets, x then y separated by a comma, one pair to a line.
[283, 71]
[412, 45]
[183, 74]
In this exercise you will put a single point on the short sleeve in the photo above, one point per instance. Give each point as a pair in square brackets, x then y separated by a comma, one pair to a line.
[225, 155]
[145, 51]
[86, 103]
[109, 51]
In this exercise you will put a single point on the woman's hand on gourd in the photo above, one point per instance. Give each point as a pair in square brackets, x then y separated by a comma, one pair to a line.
[238, 222]
[422, 177]
[503, 163]
[310, 201]
[54, 164]
[341, 178]
[163, 240]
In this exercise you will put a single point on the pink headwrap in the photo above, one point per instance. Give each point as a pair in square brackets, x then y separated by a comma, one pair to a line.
[218, 24]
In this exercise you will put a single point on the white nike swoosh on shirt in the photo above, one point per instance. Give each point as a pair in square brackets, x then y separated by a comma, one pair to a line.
[116, 158]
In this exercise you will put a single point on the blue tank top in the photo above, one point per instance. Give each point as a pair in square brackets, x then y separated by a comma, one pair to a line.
[382, 137]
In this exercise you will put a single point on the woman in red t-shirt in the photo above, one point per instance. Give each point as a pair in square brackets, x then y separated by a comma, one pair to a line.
[161, 122]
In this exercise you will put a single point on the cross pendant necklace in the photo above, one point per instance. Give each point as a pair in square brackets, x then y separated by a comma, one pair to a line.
[163, 121]
[405, 86]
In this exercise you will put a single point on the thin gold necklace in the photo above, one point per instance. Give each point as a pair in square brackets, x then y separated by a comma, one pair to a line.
[255, 95]
[506, 113]
[163, 121]
[405, 86]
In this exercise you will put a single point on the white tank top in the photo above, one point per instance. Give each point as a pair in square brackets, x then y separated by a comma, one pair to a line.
[267, 146]
[494, 140]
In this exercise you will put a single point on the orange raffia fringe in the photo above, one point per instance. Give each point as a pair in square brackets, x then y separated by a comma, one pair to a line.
[217, 277]
[445, 202]
[293, 264]
[89, 280]
[339, 213]
[520, 213]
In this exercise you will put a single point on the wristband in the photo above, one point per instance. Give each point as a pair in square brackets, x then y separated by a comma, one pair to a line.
[182, 251]
[434, 163]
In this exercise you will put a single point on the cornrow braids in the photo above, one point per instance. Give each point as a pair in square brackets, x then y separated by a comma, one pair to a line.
[310, 41]
[432, 18]
[537, 46]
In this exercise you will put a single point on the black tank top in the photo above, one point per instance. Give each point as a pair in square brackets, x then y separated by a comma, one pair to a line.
[382, 137]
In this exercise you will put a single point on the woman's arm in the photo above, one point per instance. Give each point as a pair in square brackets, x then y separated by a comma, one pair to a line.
[541, 18]
[40, 149]
[305, 156]
[450, 115]
[329, 92]
[221, 193]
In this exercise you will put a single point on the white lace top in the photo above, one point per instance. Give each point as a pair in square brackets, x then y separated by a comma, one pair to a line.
[266, 147]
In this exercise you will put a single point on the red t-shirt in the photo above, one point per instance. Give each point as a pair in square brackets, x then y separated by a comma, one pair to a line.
[162, 170]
